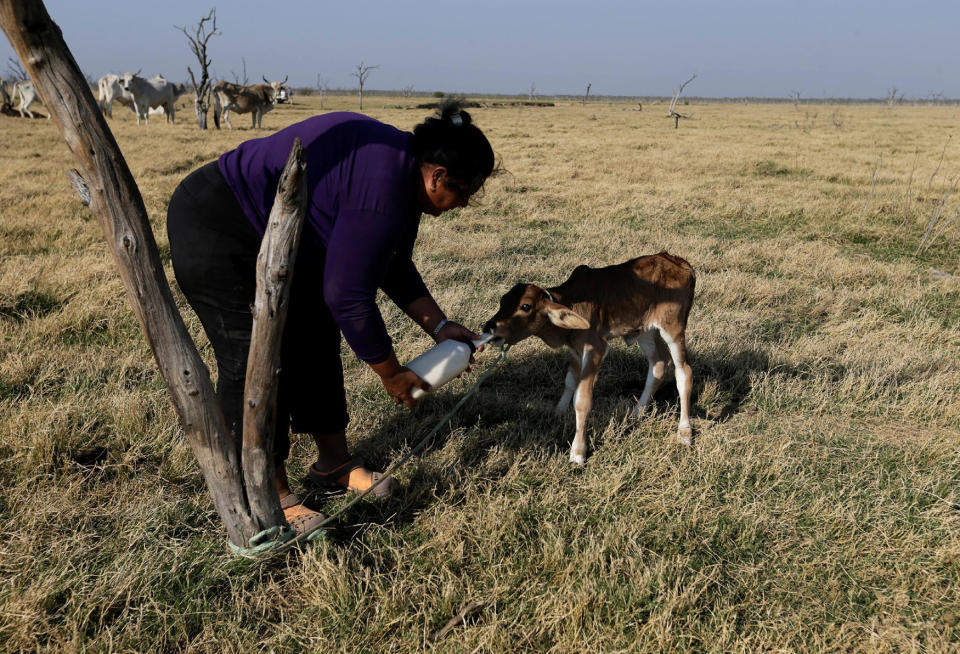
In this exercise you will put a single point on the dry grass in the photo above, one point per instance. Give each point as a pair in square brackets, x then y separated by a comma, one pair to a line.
[819, 510]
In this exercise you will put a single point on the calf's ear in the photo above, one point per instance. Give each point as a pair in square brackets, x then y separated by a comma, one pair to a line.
[563, 317]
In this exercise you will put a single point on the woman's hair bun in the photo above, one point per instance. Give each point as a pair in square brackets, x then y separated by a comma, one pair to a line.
[451, 111]
[449, 138]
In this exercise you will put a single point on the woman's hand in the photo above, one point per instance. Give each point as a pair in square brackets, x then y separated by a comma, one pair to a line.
[399, 381]
[457, 332]
[400, 386]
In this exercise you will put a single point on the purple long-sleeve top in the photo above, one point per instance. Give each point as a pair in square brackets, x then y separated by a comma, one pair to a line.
[362, 213]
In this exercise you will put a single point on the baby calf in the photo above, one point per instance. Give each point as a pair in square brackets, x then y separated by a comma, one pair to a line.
[644, 301]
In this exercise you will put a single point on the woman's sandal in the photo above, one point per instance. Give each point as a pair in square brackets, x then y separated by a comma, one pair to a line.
[338, 479]
[304, 521]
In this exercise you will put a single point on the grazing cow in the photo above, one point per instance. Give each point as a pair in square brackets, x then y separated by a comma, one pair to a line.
[644, 301]
[28, 94]
[149, 93]
[109, 91]
[256, 99]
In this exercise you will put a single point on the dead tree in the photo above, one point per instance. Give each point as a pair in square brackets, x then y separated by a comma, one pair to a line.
[407, 91]
[361, 73]
[809, 121]
[15, 70]
[587, 94]
[323, 85]
[892, 97]
[795, 99]
[249, 507]
[198, 37]
[673, 103]
[241, 81]
[533, 92]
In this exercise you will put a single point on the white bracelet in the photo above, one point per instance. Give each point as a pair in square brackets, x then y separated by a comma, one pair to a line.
[436, 330]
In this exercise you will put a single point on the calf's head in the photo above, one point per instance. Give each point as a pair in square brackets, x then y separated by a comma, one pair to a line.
[526, 310]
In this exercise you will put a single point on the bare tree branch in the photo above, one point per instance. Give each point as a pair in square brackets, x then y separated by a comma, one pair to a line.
[15, 70]
[361, 74]
[323, 85]
[197, 39]
[673, 103]
[892, 97]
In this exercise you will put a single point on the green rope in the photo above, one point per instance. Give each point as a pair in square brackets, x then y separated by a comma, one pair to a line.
[267, 541]
[275, 539]
[423, 442]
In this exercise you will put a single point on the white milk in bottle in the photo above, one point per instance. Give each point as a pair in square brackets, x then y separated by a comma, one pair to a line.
[443, 362]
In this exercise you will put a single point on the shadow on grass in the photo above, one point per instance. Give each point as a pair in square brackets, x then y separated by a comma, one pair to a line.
[514, 410]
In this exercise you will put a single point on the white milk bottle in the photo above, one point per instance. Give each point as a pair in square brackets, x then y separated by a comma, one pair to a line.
[443, 362]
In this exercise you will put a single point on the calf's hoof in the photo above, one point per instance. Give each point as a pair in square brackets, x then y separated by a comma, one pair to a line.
[578, 459]
[685, 436]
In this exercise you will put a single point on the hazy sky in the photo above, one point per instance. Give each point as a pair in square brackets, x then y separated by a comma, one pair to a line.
[736, 47]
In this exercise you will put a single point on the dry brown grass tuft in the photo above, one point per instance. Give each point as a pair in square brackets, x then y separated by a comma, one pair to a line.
[819, 509]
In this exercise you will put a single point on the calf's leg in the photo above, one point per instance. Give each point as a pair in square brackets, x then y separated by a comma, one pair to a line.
[684, 374]
[657, 359]
[583, 399]
[570, 383]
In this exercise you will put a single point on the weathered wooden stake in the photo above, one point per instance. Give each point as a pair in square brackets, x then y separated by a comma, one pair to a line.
[106, 185]
[275, 263]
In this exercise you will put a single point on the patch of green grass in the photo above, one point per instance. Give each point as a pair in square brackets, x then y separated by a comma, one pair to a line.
[29, 305]
[768, 168]
[841, 179]
[748, 226]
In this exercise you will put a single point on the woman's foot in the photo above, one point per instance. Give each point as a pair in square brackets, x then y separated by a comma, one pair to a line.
[350, 475]
[301, 519]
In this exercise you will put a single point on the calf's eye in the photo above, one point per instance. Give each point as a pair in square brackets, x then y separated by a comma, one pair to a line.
[525, 307]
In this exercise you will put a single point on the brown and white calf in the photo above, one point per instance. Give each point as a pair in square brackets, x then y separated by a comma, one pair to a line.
[644, 301]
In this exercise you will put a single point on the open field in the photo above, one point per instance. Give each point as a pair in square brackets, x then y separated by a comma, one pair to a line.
[818, 510]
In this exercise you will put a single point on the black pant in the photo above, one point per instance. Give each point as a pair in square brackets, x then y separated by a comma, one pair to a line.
[214, 250]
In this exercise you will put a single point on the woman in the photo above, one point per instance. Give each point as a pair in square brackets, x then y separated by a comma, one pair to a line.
[367, 184]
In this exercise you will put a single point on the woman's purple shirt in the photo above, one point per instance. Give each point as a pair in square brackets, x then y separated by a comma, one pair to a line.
[362, 213]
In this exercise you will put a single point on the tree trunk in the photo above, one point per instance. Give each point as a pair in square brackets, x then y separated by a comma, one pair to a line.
[275, 264]
[201, 111]
[113, 196]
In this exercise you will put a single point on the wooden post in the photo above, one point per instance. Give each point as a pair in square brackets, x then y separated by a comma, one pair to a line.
[106, 185]
[275, 264]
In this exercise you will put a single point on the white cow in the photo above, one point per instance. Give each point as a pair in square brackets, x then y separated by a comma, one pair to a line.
[154, 92]
[110, 91]
[28, 94]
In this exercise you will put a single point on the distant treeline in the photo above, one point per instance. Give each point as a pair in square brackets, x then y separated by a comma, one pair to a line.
[651, 99]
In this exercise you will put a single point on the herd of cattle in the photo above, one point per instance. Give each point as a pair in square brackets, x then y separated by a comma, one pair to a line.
[156, 95]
